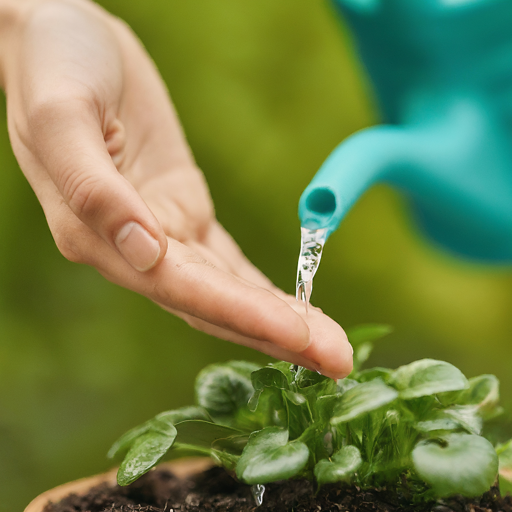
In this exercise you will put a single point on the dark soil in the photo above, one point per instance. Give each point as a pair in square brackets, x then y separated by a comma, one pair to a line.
[216, 490]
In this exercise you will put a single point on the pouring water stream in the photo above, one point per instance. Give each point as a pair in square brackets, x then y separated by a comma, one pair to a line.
[312, 245]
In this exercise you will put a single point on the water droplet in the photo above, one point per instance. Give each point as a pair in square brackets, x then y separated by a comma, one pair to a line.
[257, 492]
[311, 247]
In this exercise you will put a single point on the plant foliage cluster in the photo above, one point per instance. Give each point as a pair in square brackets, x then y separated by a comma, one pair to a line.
[417, 428]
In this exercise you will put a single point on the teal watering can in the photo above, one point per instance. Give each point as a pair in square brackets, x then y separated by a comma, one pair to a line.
[442, 73]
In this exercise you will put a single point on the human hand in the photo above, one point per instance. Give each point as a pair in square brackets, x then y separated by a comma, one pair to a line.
[95, 134]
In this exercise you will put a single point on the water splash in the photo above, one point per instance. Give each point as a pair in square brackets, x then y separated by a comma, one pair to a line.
[258, 492]
[311, 247]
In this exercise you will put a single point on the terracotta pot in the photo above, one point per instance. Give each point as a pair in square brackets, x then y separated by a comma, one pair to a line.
[181, 468]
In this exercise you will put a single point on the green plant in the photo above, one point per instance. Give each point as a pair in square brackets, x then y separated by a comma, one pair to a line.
[416, 428]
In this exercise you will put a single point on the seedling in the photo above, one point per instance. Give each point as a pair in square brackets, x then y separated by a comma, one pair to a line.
[417, 428]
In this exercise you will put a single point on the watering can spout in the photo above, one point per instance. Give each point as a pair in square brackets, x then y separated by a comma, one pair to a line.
[355, 165]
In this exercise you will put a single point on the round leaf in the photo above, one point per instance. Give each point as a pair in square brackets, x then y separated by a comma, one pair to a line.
[224, 388]
[484, 392]
[269, 457]
[269, 377]
[341, 468]
[362, 399]
[457, 464]
[427, 377]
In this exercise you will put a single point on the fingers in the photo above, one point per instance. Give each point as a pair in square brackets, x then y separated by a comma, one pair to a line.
[69, 143]
[186, 282]
[329, 352]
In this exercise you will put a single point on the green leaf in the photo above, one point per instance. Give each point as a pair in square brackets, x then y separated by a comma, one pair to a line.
[457, 417]
[456, 464]
[269, 457]
[483, 392]
[203, 433]
[346, 384]
[375, 373]
[325, 406]
[313, 392]
[146, 451]
[224, 388]
[362, 399]
[266, 378]
[224, 459]
[171, 417]
[268, 410]
[270, 378]
[287, 369]
[127, 439]
[233, 445]
[504, 452]
[341, 468]
[367, 332]
[362, 353]
[427, 377]
[294, 398]
[184, 413]
[299, 414]
[362, 337]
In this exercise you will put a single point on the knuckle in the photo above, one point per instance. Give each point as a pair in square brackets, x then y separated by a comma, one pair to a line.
[84, 194]
[52, 106]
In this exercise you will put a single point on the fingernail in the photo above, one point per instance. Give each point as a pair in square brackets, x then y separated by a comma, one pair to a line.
[137, 246]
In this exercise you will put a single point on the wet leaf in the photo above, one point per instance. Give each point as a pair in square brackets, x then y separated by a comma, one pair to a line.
[427, 377]
[340, 468]
[266, 378]
[305, 378]
[362, 399]
[146, 451]
[224, 388]
[288, 369]
[269, 377]
[269, 457]
[457, 464]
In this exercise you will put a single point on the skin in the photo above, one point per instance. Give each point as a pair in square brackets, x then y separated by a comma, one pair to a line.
[95, 133]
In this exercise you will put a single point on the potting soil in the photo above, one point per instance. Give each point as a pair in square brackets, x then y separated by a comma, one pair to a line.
[216, 490]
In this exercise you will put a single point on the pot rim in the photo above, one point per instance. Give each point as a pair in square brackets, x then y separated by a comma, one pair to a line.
[181, 468]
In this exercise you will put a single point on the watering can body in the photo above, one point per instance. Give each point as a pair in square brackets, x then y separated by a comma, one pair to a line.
[442, 73]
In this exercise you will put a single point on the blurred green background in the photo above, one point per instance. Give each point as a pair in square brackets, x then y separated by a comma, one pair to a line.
[265, 90]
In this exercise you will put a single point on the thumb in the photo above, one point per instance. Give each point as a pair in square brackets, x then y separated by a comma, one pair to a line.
[69, 142]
